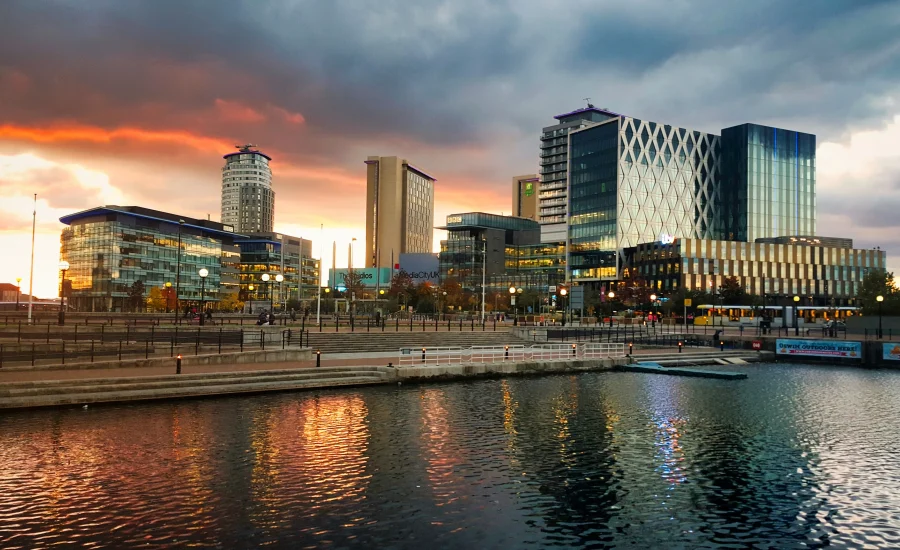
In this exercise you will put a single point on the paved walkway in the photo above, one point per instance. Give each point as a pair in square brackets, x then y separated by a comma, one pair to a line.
[330, 360]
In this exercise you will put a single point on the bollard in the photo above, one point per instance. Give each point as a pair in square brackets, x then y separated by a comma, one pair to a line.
[680, 345]
[318, 358]
[574, 346]
[721, 345]
[178, 364]
[423, 355]
[630, 348]
[506, 354]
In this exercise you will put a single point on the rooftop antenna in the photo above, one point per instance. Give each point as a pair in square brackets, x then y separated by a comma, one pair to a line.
[248, 148]
[589, 104]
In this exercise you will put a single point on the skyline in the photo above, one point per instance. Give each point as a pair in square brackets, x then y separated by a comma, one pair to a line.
[135, 105]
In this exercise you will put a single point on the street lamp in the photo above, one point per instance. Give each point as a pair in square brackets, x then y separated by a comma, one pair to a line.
[265, 279]
[653, 303]
[611, 295]
[879, 299]
[280, 280]
[250, 297]
[796, 317]
[18, 291]
[563, 292]
[168, 287]
[203, 274]
[63, 266]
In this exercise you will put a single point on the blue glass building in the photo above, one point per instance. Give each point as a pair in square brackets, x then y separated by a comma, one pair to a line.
[768, 183]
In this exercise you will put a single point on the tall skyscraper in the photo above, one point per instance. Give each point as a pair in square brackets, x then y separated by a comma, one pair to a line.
[768, 182]
[633, 181]
[554, 160]
[399, 210]
[525, 196]
[248, 202]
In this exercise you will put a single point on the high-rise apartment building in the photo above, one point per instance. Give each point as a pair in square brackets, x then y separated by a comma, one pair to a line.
[248, 202]
[399, 210]
[554, 160]
[525, 196]
[768, 182]
[633, 181]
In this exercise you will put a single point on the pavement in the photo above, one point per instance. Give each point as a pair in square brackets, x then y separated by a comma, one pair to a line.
[329, 360]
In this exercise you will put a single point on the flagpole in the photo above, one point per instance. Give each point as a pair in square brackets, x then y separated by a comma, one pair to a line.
[319, 282]
[31, 274]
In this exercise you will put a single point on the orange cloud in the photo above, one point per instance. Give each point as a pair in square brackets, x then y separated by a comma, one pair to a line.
[234, 111]
[94, 134]
[293, 118]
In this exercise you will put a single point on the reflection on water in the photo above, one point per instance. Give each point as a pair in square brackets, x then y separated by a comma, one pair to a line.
[792, 457]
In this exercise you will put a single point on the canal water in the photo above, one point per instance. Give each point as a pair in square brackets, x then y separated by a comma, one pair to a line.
[793, 457]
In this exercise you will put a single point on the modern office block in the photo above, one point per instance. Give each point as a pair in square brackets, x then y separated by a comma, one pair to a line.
[399, 210]
[110, 248]
[768, 182]
[248, 201]
[634, 181]
[278, 254]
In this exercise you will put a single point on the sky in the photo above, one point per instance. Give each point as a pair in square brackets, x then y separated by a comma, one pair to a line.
[111, 102]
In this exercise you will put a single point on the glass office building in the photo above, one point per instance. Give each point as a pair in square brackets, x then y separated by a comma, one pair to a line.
[634, 181]
[277, 254]
[821, 275]
[110, 248]
[768, 182]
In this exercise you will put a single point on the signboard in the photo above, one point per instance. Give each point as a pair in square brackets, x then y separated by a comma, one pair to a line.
[338, 277]
[818, 348]
[422, 268]
[891, 351]
[552, 288]
[454, 219]
[757, 345]
[529, 189]
[576, 297]
[688, 302]
[665, 238]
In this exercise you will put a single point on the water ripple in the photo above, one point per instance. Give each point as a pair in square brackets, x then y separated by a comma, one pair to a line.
[793, 457]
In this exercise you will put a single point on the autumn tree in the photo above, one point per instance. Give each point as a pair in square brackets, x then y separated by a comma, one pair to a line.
[156, 300]
[878, 282]
[231, 301]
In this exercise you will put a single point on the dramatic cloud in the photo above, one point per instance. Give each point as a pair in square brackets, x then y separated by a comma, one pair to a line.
[151, 94]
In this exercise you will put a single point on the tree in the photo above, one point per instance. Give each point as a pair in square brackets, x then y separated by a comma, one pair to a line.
[136, 295]
[156, 300]
[635, 292]
[878, 282]
[732, 292]
[354, 284]
[231, 301]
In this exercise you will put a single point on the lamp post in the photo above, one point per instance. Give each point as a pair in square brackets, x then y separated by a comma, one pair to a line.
[265, 279]
[512, 298]
[18, 291]
[796, 317]
[652, 304]
[63, 266]
[250, 298]
[203, 274]
[879, 299]
[168, 287]
[563, 292]
[178, 271]
[279, 278]
[611, 295]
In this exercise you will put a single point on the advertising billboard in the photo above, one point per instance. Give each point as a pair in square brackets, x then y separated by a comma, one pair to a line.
[818, 348]
[891, 351]
[421, 267]
[336, 277]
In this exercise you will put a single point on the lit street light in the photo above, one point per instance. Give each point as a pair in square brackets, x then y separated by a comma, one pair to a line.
[796, 316]
[63, 266]
[203, 274]
[265, 279]
[168, 286]
[18, 291]
[879, 299]
[563, 292]
[280, 280]
[250, 297]
[611, 295]
[652, 304]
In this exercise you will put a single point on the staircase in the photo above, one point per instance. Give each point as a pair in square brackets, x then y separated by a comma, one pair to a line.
[361, 342]
[103, 390]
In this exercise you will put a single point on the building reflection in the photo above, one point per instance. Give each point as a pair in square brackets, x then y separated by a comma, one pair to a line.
[441, 447]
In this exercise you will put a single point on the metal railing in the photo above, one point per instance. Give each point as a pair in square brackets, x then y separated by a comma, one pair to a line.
[600, 350]
[424, 356]
[497, 354]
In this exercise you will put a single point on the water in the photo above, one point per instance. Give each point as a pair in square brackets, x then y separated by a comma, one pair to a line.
[793, 457]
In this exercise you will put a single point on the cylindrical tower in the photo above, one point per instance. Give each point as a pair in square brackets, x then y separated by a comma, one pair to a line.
[248, 202]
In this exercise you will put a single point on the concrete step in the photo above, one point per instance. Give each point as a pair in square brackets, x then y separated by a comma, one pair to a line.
[172, 393]
[129, 384]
